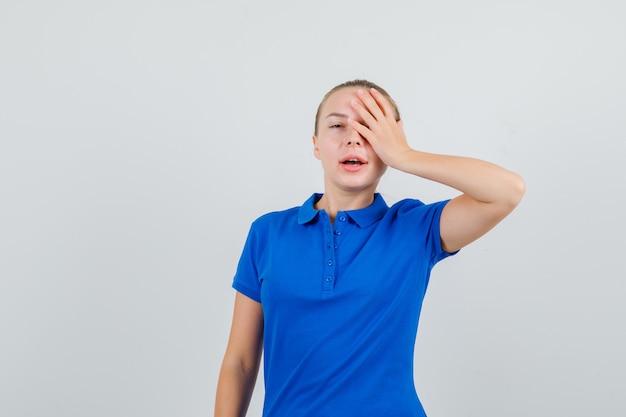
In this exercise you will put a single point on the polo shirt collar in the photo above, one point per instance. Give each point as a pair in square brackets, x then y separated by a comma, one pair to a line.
[362, 217]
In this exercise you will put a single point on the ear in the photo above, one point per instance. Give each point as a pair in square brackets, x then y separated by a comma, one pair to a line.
[316, 148]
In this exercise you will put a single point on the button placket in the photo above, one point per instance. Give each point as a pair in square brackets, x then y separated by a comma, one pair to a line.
[328, 279]
[331, 245]
[331, 236]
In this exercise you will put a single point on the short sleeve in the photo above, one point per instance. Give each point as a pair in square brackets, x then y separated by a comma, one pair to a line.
[424, 220]
[246, 279]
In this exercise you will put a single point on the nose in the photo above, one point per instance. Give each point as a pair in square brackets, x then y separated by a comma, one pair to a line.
[354, 138]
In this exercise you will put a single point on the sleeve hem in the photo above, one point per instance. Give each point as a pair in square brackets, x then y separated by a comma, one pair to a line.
[254, 295]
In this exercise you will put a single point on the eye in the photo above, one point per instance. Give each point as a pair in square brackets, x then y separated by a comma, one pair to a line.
[336, 126]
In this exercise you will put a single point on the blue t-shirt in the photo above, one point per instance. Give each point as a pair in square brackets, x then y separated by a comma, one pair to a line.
[341, 305]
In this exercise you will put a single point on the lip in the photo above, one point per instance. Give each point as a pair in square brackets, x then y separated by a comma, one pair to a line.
[350, 167]
[353, 156]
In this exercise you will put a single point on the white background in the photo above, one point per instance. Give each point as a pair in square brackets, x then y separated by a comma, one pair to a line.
[139, 140]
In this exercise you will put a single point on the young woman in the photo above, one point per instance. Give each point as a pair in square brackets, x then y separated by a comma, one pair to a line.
[332, 291]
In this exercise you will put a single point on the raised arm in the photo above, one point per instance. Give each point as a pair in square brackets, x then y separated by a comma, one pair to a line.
[489, 192]
[241, 362]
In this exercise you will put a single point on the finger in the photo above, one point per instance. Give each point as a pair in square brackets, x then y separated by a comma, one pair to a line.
[363, 130]
[371, 104]
[383, 102]
[368, 119]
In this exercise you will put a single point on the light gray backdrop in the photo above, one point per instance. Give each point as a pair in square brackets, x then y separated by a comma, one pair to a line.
[139, 140]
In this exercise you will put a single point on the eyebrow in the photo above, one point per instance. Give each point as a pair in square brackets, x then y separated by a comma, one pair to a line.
[337, 115]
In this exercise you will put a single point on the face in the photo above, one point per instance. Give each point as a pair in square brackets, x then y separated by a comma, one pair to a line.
[349, 162]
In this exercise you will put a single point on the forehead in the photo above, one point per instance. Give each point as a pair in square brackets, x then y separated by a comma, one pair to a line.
[340, 98]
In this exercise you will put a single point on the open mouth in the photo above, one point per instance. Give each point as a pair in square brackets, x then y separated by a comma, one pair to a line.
[352, 161]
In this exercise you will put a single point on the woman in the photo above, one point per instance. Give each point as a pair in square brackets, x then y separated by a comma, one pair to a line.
[331, 291]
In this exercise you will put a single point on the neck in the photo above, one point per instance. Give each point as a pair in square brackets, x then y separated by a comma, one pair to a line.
[333, 203]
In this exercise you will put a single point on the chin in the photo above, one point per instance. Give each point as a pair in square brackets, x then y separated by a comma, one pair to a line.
[360, 187]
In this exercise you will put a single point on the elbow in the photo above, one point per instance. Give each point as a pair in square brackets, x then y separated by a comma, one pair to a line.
[517, 189]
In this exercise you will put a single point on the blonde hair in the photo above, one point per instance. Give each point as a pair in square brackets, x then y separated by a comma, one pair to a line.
[356, 83]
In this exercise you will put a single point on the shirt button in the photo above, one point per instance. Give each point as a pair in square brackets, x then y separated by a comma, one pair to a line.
[337, 232]
[330, 262]
[342, 218]
[335, 246]
[329, 278]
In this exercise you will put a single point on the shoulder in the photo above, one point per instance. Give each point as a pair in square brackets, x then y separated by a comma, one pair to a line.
[275, 219]
[291, 216]
[409, 204]
[277, 215]
[414, 210]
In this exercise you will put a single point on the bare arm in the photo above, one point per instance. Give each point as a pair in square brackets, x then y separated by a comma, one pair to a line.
[489, 192]
[241, 362]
